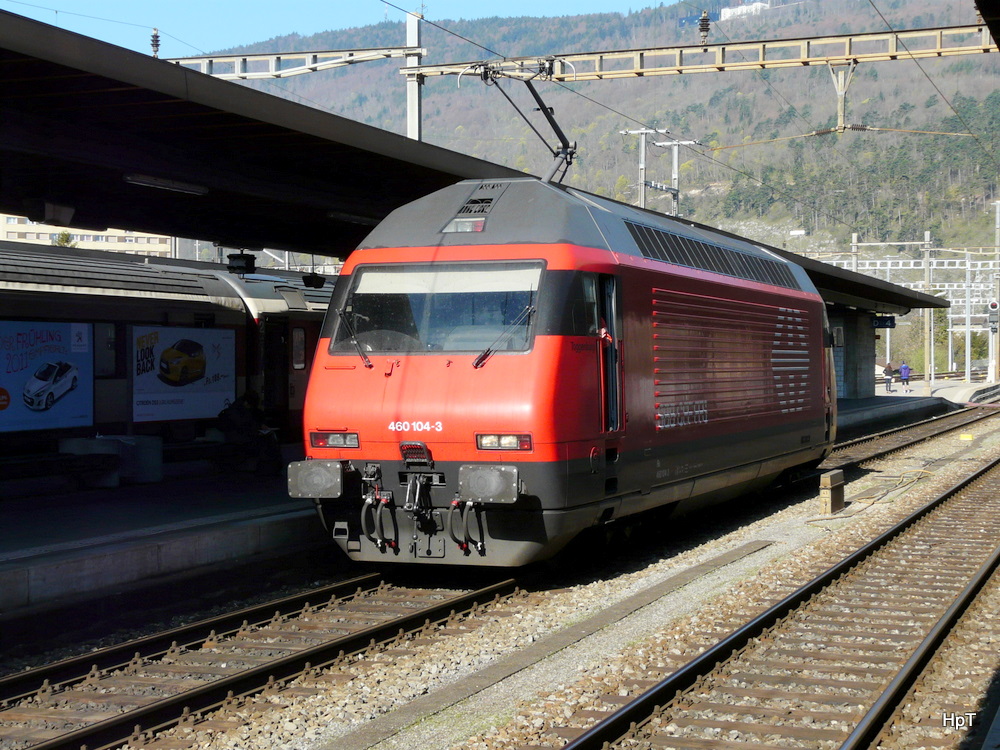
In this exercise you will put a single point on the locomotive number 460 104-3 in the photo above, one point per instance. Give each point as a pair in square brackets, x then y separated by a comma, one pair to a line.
[416, 426]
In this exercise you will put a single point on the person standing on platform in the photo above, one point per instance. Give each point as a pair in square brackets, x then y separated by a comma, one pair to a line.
[887, 373]
[904, 377]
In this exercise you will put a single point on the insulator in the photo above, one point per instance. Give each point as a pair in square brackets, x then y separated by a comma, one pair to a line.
[704, 25]
[154, 42]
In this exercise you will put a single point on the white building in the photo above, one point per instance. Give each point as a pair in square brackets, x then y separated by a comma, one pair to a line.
[750, 9]
[20, 229]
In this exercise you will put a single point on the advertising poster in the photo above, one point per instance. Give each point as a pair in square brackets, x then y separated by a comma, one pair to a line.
[181, 373]
[46, 375]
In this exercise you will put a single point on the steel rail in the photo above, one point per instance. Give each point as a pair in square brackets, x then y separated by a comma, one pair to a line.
[947, 423]
[619, 723]
[22, 684]
[115, 731]
[961, 418]
[874, 721]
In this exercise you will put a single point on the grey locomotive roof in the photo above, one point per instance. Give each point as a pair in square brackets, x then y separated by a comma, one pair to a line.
[529, 211]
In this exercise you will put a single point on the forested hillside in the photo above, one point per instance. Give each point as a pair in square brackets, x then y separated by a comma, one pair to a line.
[885, 185]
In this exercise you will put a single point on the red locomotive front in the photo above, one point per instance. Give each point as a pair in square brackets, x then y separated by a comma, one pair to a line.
[446, 399]
[506, 364]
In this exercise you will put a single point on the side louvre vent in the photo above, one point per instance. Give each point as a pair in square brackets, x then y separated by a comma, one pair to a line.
[684, 251]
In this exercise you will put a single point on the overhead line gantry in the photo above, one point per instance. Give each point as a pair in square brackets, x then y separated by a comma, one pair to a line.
[245, 67]
[847, 49]
[758, 55]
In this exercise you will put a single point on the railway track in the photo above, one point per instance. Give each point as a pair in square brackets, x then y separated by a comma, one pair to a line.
[830, 665]
[878, 445]
[104, 698]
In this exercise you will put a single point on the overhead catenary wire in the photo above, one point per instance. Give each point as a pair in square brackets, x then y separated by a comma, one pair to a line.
[778, 191]
[58, 12]
[767, 82]
[697, 153]
[813, 206]
[830, 131]
[824, 131]
[764, 79]
[989, 155]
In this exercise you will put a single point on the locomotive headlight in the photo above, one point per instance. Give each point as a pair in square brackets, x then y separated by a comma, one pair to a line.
[487, 483]
[333, 439]
[503, 442]
[466, 224]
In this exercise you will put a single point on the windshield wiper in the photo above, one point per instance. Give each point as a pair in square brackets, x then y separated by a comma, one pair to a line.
[507, 332]
[354, 338]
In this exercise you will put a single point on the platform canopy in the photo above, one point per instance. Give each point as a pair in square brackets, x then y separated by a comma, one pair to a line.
[990, 12]
[93, 135]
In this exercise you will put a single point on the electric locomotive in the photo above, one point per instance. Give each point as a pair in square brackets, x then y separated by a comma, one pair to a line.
[505, 363]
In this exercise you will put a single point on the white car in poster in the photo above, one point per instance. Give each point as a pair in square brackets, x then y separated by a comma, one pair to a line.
[51, 381]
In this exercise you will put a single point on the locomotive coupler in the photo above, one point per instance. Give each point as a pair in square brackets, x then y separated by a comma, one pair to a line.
[372, 473]
[418, 497]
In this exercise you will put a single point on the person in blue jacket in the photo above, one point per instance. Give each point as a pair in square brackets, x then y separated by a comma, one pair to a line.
[904, 377]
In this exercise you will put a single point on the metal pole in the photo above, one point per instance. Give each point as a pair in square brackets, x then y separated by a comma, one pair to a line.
[888, 331]
[841, 82]
[928, 322]
[414, 81]
[675, 178]
[854, 252]
[996, 234]
[642, 168]
[642, 159]
[968, 317]
[991, 373]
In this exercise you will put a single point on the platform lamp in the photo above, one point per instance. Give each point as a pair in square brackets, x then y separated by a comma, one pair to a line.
[241, 263]
[312, 279]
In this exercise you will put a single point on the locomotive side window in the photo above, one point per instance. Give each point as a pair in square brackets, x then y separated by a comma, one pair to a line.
[446, 308]
[568, 304]
[583, 306]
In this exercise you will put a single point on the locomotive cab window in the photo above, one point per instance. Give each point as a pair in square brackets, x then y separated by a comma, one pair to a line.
[448, 307]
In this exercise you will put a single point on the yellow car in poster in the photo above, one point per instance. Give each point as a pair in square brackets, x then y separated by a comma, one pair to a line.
[184, 362]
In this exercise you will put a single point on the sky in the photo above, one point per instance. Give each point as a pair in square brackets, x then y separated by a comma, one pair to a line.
[193, 27]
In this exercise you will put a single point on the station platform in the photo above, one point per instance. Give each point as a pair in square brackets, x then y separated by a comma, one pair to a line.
[856, 416]
[57, 542]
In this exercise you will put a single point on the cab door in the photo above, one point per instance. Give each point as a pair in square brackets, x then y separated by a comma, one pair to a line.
[610, 352]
